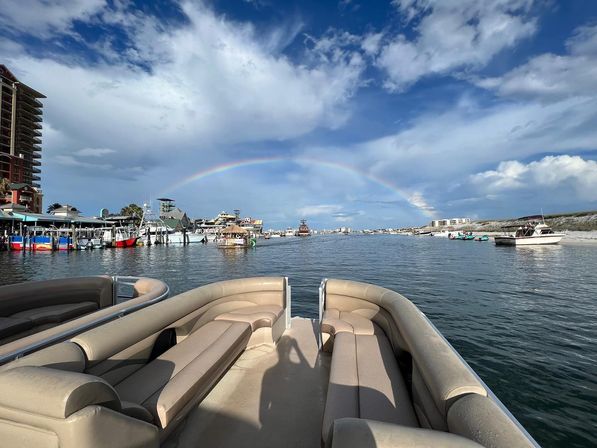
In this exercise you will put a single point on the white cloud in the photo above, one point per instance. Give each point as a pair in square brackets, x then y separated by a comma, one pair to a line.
[94, 152]
[452, 35]
[548, 174]
[551, 77]
[211, 83]
[318, 210]
[42, 18]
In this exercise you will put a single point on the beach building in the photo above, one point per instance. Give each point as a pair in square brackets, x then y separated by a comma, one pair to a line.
[20, 141]
[449, 222]
[172, 216]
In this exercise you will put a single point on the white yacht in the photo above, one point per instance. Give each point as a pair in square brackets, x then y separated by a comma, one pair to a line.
[290, 232]
[531, 233]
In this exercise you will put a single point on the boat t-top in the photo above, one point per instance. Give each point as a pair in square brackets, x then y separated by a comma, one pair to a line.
[531, 233]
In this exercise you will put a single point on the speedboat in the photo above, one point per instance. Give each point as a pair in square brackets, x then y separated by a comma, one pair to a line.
[531, 233]
[225, 365]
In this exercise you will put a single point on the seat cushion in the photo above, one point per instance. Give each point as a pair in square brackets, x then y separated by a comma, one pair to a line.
[10, 326]
[186, 371]
[257, 316]
[56, 313]
[365, 382]
[335, 321]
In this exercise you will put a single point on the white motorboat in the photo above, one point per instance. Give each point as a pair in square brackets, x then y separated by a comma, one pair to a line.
[441, 233]
[290, 232]
[531, 233]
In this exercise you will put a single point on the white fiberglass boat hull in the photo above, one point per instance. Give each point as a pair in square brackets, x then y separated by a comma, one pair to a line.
[553, 238]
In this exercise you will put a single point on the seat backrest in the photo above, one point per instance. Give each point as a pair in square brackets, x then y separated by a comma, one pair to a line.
[65, 356]
[29, 295]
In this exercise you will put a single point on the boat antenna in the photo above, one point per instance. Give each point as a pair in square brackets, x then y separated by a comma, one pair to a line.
[542, 217]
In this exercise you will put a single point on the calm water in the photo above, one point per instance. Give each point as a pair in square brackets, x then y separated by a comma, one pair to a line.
[524, 318]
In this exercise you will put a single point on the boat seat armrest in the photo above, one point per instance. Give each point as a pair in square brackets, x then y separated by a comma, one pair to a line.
[362, 433]
[54, 393]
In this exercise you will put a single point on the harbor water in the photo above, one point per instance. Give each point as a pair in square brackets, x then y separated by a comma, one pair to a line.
[524, 318]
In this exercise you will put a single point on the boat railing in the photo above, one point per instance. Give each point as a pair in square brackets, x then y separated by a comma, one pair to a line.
[321, 310]
[122, 290]
[288, 296]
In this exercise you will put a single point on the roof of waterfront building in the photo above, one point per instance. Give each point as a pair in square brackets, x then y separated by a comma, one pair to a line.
[26, 216]
[6, 216]
[235, 229]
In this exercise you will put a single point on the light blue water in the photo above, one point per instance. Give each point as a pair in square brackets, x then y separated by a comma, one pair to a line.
[524, 318]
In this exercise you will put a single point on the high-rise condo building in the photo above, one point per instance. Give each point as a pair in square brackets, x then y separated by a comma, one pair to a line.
[20, 141]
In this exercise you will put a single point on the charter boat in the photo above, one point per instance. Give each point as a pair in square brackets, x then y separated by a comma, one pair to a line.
[531, 233]
[225, 365]
[38, 314]
[303, 229]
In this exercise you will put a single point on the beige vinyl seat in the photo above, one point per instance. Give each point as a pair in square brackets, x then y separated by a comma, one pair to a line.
[33, 313]
[257, 316]
[129, 382]
[394, 377]
[165, 385]
[56, 313]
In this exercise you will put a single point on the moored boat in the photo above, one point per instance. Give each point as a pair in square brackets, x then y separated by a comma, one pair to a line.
[303, 229]
[533, 232]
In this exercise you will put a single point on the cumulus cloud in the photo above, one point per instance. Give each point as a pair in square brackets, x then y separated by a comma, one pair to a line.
[571, 173]
[205, 83]
[42, 18]
[452, 35]
[552, 77]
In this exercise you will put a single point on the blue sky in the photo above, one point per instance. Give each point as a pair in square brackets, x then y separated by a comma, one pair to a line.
[361, 114]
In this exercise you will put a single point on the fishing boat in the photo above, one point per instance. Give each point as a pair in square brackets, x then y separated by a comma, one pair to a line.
[227, 365]
[303, 229]
[290, 232]
[533, 232]
[124, 237]
[234, 236]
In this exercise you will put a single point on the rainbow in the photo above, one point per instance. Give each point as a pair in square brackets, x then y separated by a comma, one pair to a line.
[413, 199]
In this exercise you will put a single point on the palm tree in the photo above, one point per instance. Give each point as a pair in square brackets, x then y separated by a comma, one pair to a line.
[53, 207]
[132, 210]
[4, 189]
